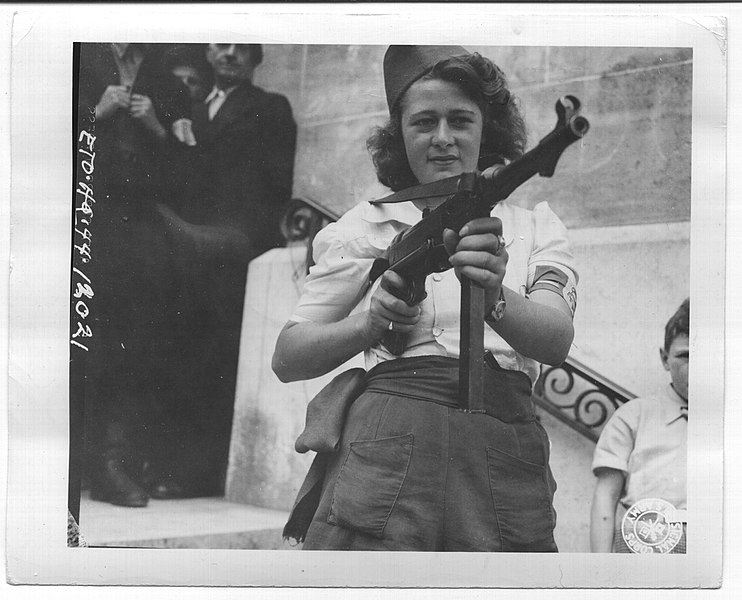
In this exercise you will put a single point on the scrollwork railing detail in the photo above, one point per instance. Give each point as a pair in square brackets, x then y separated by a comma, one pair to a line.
[579, 396]
[301, 220]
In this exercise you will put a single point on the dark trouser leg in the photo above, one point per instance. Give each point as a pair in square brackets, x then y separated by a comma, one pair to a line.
[130, 359]
[211, 347]
[113, 409]
[385, 488]
[499, 489]
[414, 475]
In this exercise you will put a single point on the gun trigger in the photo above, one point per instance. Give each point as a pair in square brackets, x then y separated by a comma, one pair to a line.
[377, 269]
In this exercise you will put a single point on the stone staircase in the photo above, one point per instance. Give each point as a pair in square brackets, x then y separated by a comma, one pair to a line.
[188, 523]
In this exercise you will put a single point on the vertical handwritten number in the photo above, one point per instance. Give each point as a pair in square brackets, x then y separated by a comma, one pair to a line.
[86, 235]
[88, 165]
[84, 251]
[82, 309]
[83, 289]
[84, 195]
[86, 192]
[89, 140]
[81, 274]
[79, 345]
[82, 331]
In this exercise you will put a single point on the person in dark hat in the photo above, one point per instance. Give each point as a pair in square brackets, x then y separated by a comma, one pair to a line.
[411, 470]
[188, 63]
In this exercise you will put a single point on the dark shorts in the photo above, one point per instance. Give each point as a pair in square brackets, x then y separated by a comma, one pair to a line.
[414, 472]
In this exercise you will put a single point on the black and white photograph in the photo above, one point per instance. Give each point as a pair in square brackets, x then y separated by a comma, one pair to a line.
[310, 297]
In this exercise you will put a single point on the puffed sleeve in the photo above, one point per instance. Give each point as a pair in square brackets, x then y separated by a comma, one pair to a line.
[551, 264]
[339, 278]
[617, 439]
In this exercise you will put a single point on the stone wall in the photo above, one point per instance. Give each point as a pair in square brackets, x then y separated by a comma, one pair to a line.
[264, 469]
[633, 167]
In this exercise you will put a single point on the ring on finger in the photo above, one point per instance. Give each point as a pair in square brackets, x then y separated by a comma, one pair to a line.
[500, 244]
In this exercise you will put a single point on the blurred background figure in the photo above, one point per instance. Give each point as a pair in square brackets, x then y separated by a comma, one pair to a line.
[188, 63]
[141, 114]
[237, 179]
[247, 141]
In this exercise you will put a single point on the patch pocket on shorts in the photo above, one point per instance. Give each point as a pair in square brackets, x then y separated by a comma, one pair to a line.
[369, 482]
[522, 501]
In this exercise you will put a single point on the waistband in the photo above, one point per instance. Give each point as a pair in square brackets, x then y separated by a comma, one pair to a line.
[436, 379]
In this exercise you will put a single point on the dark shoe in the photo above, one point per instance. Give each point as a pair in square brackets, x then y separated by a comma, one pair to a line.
[113, 485]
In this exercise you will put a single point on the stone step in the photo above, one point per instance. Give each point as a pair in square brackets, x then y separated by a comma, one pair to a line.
[188, 523]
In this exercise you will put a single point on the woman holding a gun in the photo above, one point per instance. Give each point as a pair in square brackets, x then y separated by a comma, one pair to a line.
[411, 469]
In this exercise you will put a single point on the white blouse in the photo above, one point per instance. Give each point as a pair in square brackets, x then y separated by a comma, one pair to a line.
[344, 251]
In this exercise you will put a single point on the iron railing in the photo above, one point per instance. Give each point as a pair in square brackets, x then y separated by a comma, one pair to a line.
[578, 396]
[301, 221]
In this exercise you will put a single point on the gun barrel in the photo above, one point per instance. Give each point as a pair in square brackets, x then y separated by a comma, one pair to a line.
[498, 184]
[579, 125]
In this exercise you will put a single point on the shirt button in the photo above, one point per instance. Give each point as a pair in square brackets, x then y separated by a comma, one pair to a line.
[437, 331]
[437, 276]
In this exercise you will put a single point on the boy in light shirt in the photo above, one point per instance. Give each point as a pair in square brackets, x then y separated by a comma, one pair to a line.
[640, 462]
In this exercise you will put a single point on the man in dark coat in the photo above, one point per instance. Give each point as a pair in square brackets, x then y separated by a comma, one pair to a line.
[242, 179]
[247, 141]
[130, 370]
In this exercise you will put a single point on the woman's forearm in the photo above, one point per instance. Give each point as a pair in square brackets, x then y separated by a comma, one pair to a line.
[539, 328]
[308, 350]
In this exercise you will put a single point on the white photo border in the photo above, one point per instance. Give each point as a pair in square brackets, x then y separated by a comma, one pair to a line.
[42, 174]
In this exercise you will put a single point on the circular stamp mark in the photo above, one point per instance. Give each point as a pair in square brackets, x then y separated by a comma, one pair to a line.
[647, 527]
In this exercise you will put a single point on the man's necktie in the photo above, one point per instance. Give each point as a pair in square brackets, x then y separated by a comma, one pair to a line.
[216, 103]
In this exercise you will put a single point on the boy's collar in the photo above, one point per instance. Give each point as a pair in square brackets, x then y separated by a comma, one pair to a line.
[677, 403]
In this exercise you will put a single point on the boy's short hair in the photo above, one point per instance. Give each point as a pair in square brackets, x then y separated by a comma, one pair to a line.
[679, 324]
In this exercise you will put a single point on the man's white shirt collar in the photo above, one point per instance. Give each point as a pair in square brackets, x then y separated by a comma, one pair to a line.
[216, 92]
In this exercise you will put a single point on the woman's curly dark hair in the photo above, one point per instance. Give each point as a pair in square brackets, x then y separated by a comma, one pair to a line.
[503, 135]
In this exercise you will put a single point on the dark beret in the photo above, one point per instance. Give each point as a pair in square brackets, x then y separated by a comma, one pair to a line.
[403, 65]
